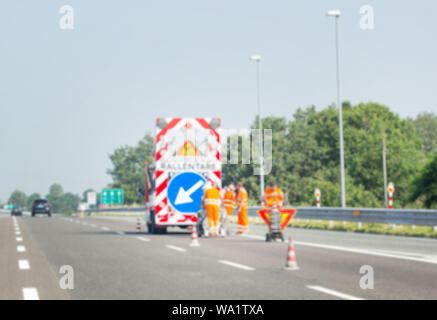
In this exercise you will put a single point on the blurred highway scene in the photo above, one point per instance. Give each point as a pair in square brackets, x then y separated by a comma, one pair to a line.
[218, 151]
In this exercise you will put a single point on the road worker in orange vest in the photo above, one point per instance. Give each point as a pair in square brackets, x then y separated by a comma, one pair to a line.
[211, 201]
[229, 198]
[243, 221]
[273, 196]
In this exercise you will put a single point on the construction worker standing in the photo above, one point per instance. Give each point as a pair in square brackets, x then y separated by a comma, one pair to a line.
[243, 221]
[273, 196]
[229, 200]
[211, 201]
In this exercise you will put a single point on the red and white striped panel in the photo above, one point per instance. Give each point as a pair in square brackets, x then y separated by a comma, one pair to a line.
[169, 140]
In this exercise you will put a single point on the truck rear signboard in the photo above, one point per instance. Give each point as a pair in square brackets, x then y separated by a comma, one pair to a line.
[188, 157]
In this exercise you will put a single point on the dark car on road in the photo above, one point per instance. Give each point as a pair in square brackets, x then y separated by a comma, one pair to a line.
[41, 206]
[16, 211]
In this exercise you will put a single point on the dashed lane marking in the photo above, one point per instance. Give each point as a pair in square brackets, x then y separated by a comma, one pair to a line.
[143, 239]
[175, 248]
[23, 264]
[30, 294]
[21, 249]
[334, 293]
[236, 265]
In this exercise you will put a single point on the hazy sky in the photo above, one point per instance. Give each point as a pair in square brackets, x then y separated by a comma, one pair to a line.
[68, 98]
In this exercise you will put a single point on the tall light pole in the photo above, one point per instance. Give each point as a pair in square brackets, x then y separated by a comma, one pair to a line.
[257, 60]
[336, 15]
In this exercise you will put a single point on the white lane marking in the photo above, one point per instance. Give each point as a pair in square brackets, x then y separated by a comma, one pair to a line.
[105, 228]
[236, 265]
[252, 236]
[334, 293]
[120, 232]
[23, 264]
[19, 239]
[93, 225]
[17, 233]
[364, 251]
[30, 294]
[352, 250]
[21, 249]
[143, 239]
[175, 248]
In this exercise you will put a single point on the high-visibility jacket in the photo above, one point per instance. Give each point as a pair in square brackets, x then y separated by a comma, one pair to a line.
[274, 197]
[243, 221]
[242, 198]
[229, 200]
[212, 197]
[211, 201]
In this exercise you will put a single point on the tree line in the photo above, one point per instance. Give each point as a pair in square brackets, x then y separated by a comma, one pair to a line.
[306, 156]
[60, 201]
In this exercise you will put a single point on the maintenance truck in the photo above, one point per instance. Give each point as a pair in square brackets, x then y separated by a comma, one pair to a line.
[187, 158]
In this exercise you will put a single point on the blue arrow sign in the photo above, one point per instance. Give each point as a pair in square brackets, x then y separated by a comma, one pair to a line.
[185, 192]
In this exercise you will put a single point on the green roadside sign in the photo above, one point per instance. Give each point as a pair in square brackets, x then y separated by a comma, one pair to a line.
[112, 196]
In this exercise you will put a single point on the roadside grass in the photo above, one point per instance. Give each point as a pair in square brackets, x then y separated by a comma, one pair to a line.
[376, 228]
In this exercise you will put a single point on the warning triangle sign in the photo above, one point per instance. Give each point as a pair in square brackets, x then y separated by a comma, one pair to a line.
[188, 149]
[286, 215]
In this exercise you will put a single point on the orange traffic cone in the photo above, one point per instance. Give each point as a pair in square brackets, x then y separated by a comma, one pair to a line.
[291, 257]
[194, 238]
[138, 225]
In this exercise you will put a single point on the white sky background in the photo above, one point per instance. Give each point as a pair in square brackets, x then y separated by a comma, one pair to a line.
[69, 98]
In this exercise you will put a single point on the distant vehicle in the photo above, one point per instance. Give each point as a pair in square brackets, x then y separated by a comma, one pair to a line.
[41, 206]
[16, 211]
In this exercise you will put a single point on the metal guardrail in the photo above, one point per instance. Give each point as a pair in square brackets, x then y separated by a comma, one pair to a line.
[390, 216]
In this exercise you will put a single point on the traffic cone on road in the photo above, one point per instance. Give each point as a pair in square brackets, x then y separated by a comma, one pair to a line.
[291, 257]
[138, 225]
[194, 238]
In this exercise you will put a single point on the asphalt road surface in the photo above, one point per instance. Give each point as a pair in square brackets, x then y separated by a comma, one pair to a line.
[111, 261]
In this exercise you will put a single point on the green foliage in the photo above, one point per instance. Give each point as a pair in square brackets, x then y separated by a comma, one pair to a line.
[306, 156]
[426, 127]
[18, 198]
[128, 168]
[61, 202]
[425, 185]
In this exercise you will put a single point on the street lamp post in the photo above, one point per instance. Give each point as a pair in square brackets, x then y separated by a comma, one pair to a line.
[257, 60]
[336, 15]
